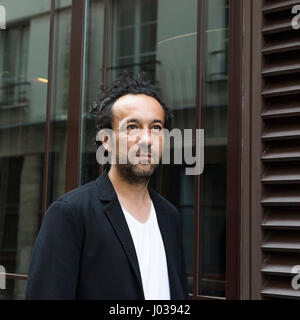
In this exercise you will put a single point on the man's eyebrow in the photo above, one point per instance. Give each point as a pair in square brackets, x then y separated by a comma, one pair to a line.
[138, 121]
[157, 120]
[131, 120]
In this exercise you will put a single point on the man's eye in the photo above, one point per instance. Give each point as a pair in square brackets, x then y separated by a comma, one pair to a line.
[156, 127]
[131, 127]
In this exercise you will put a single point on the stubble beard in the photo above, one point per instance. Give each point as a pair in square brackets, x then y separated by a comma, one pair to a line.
[136, 173]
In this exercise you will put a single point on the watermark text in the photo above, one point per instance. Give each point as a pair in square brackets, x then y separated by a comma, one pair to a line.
[2, 278]
[295, 280]
[2, 17]
[296, 19]
[153, 148]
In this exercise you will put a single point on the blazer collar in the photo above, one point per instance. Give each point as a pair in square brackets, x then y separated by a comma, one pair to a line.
[114, 213]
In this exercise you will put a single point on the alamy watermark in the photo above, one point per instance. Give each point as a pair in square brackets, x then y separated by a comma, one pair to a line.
[2, 17]
[134, 148]
[2, 278]
[295, 280]
[296, 19]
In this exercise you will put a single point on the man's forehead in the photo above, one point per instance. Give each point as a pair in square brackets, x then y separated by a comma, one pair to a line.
[136, 106]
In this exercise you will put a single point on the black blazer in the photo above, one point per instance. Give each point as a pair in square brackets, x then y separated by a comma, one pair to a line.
[84, 248]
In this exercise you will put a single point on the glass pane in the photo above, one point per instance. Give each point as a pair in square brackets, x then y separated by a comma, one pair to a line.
[148, 10]
[148, 38]
[59, 99]
[166, 49]
[127, 63]
[93, 67]
[24, 47]
[125, 46]
[125, 13]
[148, 64]
[23, 100]
[212, 228]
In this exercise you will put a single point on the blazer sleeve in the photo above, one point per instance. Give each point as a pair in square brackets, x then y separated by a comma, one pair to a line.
[54, 267]
[183, 274]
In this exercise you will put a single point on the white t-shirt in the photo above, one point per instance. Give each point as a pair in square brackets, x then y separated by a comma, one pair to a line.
[151, 256]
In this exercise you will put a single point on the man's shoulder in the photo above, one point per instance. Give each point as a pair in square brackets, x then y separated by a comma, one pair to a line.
[79, 196]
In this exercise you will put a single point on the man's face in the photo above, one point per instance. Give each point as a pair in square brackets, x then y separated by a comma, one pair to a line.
[137, 122]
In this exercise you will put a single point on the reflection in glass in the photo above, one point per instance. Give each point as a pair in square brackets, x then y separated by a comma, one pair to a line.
[165, 47]
[214, 121]
[93, 80]
[134, 42]
[59, 99]
[24, 50]
[24, 47]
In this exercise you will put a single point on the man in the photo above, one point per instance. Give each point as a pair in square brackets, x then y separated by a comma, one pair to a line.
[115, 237]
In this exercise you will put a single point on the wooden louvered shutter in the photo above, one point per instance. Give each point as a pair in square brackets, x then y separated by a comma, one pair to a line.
[279, 148]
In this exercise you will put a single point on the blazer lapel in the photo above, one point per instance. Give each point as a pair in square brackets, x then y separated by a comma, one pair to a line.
[114, 213]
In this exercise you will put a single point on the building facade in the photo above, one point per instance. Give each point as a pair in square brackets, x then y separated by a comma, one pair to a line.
[226, 66]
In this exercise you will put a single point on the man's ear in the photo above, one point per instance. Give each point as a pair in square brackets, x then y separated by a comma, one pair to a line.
[103, 136]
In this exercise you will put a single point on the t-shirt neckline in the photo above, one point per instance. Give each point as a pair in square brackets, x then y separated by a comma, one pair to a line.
[137, 221]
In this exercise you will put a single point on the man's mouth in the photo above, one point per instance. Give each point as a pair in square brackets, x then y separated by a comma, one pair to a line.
[144, 155]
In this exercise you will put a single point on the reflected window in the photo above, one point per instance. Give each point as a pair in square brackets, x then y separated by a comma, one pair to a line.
[24, 53]
[134, 36]
[14, 87]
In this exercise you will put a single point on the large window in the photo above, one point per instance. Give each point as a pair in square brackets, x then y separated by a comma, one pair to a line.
[24, 61]
[160, 37]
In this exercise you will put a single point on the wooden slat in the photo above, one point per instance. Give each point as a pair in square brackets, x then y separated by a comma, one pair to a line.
[280, 6]
[280, 91]
[280, 288]
[282, 175]
[275, 71]
[276, 28]
[282, 220]
[281, 265]
[281, 47]
[282, 242]
[281, 132]
[286, 110]
[282, 153]
[283, 197]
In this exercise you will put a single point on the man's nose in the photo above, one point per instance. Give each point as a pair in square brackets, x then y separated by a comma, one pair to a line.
[145, 137]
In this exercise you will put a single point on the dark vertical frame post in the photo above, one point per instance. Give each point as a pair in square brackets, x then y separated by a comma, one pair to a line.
[197, 126]
[234, 149]
[48, 111]
[104, 55]
[257, 148]
[75, 95]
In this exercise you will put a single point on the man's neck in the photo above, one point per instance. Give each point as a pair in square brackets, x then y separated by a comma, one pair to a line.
[137, 193]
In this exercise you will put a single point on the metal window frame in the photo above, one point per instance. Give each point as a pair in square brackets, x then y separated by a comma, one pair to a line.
[234, 152]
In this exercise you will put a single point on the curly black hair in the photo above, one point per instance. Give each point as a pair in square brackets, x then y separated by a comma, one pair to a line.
[101, 110]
